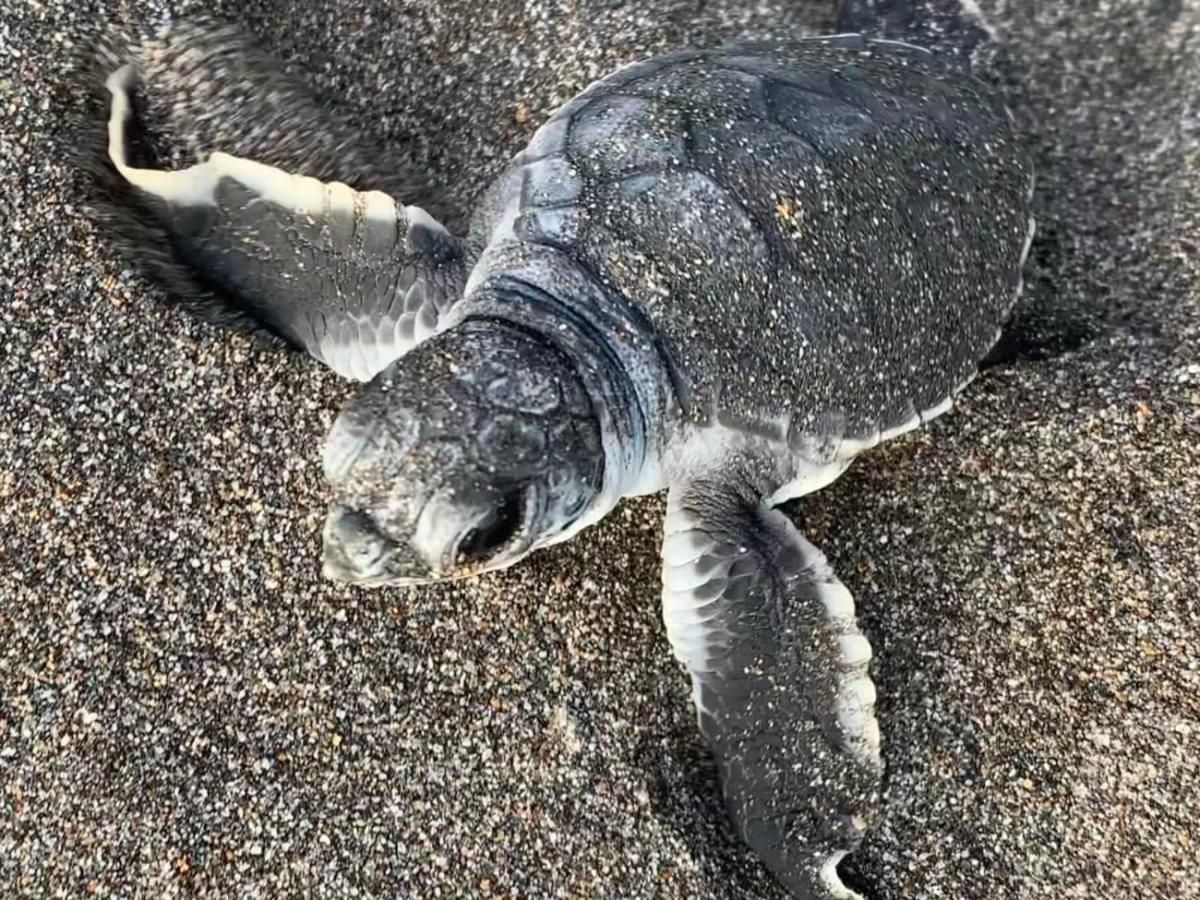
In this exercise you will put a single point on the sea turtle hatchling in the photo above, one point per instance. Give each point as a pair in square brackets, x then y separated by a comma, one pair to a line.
[722, 272]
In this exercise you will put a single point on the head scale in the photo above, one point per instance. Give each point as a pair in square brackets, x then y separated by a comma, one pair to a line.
[476, 447]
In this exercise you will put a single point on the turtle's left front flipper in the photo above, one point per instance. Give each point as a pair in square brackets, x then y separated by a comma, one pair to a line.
[353, 277]
[780, 683]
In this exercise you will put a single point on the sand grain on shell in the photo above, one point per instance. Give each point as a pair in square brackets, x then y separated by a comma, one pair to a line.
[185, 707]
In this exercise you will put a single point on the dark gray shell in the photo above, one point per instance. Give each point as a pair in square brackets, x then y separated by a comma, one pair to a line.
[827, 232]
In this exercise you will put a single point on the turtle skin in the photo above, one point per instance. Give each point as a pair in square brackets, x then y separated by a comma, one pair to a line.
[824, 236]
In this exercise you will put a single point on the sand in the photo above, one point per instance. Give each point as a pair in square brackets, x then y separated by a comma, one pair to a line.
[187, 708]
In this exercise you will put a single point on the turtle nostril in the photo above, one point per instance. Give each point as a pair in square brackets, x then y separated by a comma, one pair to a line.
[358, 537]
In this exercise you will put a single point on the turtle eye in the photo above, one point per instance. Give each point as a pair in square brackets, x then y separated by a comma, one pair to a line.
[492, 532]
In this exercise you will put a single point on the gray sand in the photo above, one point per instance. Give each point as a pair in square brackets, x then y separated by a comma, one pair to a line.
[186, 707]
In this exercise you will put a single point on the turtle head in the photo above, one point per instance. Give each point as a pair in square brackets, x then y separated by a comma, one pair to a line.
[475, 448]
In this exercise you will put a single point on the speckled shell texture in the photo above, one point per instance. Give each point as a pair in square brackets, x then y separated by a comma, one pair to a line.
[825, 236]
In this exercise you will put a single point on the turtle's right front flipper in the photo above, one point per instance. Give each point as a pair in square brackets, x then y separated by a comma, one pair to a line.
[779, 679]
[353, 277]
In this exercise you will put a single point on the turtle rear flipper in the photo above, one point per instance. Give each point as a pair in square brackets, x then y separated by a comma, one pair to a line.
[780, 683]
[353, 277]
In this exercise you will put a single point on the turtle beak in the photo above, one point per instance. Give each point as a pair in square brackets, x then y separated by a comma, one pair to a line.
[455, 537]
[356, 552]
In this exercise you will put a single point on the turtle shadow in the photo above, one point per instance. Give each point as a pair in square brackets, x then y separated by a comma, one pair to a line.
[1041, 326]
[1101, 183]
[685, 794]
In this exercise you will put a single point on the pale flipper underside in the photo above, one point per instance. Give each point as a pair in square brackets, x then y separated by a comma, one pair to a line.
[780, 680]
[355, 278]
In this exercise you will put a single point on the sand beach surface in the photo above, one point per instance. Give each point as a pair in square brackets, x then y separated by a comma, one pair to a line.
[188, 709]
